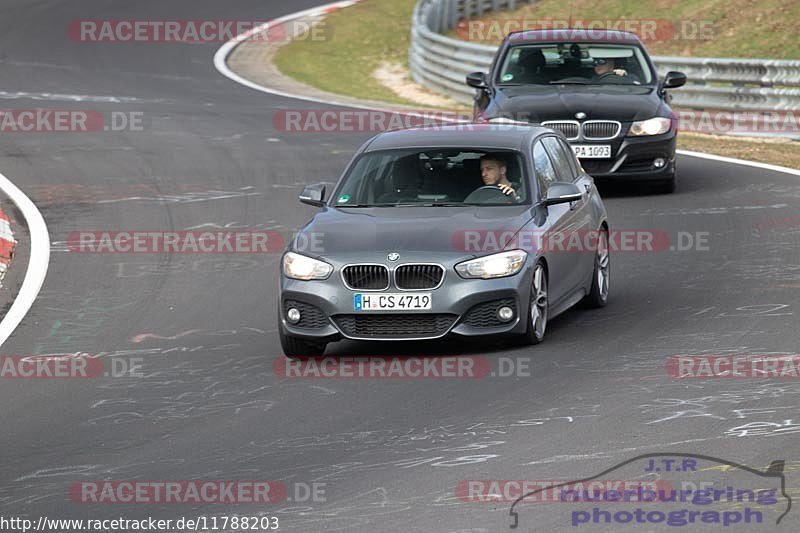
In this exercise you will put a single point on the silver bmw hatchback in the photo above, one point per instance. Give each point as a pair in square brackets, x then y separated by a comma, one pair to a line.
[468, 230]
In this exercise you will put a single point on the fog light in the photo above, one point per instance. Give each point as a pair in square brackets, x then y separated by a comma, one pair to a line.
[659, 162]
[293, 315]
[505, 314]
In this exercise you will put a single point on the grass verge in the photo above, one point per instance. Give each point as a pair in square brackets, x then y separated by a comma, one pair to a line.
[358, 39]
[774, 151]
[711, 28]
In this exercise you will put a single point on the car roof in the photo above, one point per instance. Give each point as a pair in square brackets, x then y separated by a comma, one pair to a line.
[496, 136]
[569, 35]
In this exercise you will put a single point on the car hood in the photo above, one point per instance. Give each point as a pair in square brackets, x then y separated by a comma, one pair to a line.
[542, 103]
[343, 233]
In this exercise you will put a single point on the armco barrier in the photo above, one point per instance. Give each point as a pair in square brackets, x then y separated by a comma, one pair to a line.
[442, 63]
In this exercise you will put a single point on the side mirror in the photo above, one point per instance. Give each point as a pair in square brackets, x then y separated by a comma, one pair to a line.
[674, 79]
[477, 80]
[561, 192]
[313, 195]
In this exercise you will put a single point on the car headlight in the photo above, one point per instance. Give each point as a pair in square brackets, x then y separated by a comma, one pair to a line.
[493, 266]
[298, 266]
[653, 126]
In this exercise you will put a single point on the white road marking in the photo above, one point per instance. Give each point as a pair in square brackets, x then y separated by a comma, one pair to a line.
[744, 162]
[221, 56]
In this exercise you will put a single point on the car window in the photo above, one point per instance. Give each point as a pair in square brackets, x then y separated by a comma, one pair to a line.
[543, 167]
[577, 169]
[574, 164]
[574, 63]
[434, 176]
[561, 159]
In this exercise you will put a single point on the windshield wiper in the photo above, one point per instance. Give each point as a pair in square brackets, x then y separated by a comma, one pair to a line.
[416, 204]
[574, 82]
[376, 205]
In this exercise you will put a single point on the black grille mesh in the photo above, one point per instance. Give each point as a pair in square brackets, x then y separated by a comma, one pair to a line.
[485, 315]
[311, 316]
[366, 277]
[600, 130]
[569, 129]
[411, 325]
[418, 276]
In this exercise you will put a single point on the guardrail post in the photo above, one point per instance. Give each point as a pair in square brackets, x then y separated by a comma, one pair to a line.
[455, 15]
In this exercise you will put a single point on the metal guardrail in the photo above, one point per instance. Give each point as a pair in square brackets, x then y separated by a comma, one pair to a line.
[441, 64]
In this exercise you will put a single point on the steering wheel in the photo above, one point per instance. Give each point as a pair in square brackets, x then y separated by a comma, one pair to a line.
[488, 194]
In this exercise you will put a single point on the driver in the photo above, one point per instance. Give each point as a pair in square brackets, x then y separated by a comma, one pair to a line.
[493, 172]
[604, 71]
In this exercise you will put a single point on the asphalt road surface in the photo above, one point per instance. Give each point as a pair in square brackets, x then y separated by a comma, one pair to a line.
[383, 454]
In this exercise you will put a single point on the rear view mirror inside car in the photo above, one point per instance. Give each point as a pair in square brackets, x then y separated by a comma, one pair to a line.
[595, 51]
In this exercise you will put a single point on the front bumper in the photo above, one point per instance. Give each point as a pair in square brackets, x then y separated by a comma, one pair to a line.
[634, 157]
[459, 307]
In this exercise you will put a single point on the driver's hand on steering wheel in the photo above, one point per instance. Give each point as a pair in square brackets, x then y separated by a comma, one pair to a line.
[507, 189]
[620, 72]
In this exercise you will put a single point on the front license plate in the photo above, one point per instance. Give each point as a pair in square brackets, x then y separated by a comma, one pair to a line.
[592, 151]
[392, 302]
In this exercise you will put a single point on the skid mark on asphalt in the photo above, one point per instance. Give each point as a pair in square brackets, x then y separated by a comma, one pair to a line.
[710, 210]
[56, 97]
[79, 324]
[142, 336]
[206, 196]
[211, 388]
[208, 332]
[731, 405]
[196, 266]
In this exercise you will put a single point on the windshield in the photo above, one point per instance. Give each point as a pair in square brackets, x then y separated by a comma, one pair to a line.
[434, 177]
[575, 63]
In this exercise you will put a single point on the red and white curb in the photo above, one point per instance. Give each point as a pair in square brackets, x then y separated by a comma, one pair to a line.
[37, 263]
[7, 244]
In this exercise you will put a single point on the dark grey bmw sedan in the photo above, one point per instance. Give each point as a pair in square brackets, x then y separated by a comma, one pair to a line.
[467, 230]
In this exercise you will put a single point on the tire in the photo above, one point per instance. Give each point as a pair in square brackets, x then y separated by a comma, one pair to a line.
[539, 305]
[294, 347]
[601, 274]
